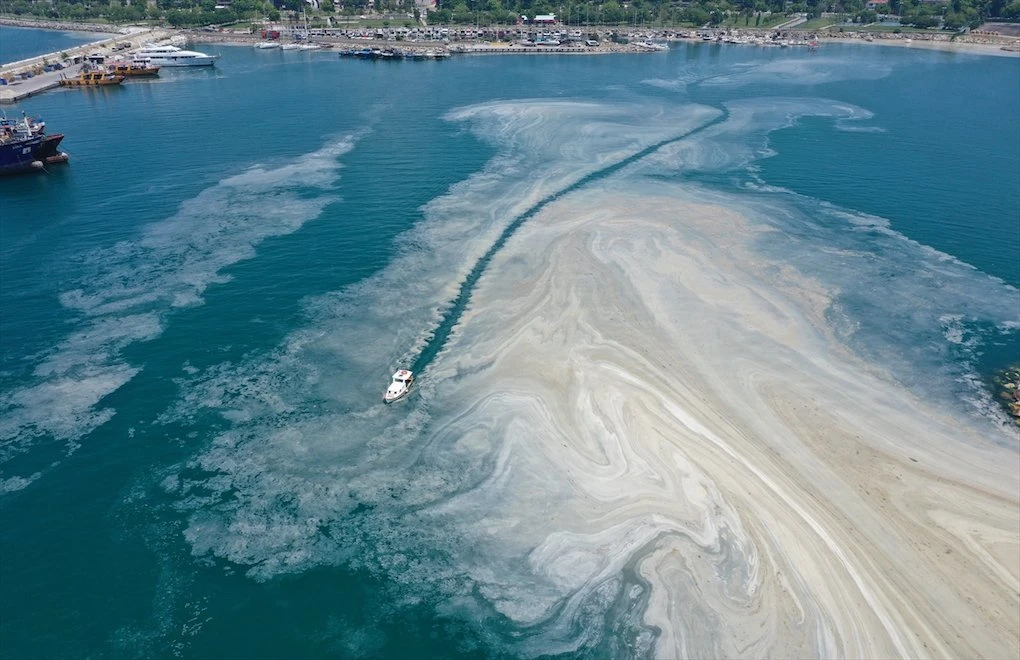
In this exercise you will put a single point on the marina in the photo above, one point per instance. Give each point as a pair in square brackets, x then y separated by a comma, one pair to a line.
[20, 80]
[28, 77]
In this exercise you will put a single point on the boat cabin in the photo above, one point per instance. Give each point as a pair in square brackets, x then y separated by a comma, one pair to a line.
[400, 386]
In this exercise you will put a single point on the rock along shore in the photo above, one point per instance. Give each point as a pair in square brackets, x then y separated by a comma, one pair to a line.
[106, 28]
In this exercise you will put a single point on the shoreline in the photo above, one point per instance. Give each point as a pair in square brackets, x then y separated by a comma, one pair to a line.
[982, 44]
[974, 48]
[61, 26]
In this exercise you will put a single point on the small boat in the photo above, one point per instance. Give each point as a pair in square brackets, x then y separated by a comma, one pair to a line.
[291, 46]
[266, 45]
[651, 45]
[92, 79]
[400, 387]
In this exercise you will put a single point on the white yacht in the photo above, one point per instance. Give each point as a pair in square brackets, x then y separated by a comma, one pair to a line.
[266, 45]
[172, 56]
[400, 387]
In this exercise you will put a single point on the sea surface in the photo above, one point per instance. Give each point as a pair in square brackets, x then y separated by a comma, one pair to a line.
[18, 43]
[199, 314]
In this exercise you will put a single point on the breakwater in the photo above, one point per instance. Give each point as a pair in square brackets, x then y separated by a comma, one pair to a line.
[61, 25]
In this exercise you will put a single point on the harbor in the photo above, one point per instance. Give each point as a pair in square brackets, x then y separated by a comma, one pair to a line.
[23, 79]
[35, 75]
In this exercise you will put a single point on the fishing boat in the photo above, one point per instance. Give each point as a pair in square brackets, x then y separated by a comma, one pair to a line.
[17, 150]
[46, 152]
[93, 78]
[400, 387]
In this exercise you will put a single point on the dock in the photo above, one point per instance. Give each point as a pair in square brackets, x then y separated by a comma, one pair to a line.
[22, 89]
[29, 77]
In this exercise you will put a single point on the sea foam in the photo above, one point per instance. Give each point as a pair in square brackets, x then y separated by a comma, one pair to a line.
[645, 413]
[127, 292]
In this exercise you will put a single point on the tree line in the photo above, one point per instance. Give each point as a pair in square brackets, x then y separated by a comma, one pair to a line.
[949, 14]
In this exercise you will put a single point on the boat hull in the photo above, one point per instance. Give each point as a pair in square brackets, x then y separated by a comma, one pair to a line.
[134, 70]
[393, 399]
[48, 152]
[20, 155]
[92, 80]
[194, 61]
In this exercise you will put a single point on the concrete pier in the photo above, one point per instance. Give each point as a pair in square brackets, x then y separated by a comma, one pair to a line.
[22, 89]
[18, 88]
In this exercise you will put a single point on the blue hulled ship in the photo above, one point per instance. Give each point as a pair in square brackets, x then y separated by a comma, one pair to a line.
[24, 146]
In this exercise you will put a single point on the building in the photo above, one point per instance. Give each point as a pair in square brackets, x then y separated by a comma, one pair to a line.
[544, 19]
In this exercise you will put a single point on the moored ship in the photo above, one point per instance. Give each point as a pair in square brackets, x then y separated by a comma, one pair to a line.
[172, 56]
[92, 78]
[17, 151]
[24, 146]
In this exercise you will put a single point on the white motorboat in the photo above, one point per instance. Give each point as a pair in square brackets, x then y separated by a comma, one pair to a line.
[651, 45]
[292, 46]
[400, 387]
[266, 45]
[172, 56]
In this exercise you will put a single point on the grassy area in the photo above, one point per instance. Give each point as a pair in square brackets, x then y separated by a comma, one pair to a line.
[878, 27]
[819, 23]
[767, 21]
[366, 23]
[834, 23]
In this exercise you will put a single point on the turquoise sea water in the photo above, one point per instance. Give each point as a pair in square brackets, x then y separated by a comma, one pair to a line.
[236, 258]
[21, 43]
